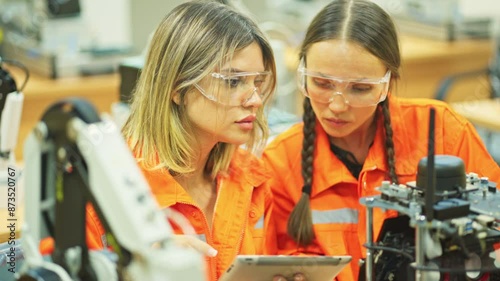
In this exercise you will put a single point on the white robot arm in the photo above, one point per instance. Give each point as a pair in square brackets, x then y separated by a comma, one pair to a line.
[11, 118]
[11, 106]
[76, 158]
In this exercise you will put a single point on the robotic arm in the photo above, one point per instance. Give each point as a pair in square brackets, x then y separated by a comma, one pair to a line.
[74, 157]
[11, 105]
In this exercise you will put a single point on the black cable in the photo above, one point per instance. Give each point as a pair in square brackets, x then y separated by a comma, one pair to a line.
[20, 66]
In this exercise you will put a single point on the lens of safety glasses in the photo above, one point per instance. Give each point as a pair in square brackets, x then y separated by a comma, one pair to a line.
[235, 89]
[356, 92]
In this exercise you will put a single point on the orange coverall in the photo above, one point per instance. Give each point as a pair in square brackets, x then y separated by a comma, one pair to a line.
[339, 219]
[241, 218]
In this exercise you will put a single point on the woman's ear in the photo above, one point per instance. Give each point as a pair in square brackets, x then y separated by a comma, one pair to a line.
[176, 97]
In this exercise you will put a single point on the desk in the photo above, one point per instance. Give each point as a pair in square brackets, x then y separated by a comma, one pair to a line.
[426, 62]
[484, 113]
[40, 93]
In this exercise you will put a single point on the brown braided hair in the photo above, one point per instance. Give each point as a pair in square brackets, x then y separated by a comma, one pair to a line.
[389, 143]
[368, 25]
[300, 222]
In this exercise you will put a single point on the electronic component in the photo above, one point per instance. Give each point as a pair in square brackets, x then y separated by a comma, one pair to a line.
[447, 228]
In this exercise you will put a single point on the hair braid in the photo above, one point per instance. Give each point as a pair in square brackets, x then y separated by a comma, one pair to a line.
[389, 143]
[300, 225]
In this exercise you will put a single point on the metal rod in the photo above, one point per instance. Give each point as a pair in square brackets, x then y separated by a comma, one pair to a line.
[369, 239]
[419, 247]
[431, 172]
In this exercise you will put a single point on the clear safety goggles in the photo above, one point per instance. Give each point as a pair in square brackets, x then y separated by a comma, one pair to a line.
[355, 92]
[235, 89]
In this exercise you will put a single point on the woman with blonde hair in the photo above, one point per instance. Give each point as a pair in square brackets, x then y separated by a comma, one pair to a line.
[196, 119]
[208, 74]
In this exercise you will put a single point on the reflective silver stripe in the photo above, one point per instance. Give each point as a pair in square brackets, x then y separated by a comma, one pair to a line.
[345, 215]
[260, 223]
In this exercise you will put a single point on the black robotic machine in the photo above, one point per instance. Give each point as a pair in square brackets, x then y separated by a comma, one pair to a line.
[446, 228]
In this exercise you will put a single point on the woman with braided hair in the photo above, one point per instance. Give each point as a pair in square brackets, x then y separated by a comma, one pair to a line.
[355, 134]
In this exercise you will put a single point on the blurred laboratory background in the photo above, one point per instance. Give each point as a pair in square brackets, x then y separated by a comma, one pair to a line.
[94, 49]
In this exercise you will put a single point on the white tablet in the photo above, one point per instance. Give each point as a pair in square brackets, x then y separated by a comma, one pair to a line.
[264, 268]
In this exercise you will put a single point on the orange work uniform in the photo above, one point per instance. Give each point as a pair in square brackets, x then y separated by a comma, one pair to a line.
[241, 216]
[339, 219]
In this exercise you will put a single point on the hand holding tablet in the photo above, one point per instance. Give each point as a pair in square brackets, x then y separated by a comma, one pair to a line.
[265, 268]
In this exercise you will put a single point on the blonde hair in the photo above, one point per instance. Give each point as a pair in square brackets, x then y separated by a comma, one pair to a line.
[192, 40]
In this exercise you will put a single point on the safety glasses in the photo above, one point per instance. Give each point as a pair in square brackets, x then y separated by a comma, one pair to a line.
[235, 89]
[362, 92]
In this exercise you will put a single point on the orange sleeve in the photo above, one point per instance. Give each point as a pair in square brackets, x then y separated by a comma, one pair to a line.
[270, 239]
[465, 143]
[96, 236]
[285, 193]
